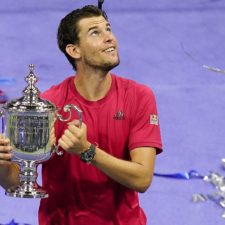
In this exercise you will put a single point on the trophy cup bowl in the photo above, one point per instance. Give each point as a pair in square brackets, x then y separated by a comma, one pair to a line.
[27, 122]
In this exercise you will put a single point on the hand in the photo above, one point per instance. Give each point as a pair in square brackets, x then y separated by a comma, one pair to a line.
[5, 150]
[74, 139]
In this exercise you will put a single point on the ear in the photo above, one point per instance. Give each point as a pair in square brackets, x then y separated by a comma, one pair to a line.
[73, 51]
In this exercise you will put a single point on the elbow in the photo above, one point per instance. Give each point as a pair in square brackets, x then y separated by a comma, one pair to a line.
[144, 185]
[143, 189]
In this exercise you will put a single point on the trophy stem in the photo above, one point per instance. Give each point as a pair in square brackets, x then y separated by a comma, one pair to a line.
[28, 187]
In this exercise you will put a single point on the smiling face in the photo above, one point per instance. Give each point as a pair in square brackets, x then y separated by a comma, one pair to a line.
[97, 47]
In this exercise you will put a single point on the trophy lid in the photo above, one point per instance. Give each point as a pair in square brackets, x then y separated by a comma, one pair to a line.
[30, 100]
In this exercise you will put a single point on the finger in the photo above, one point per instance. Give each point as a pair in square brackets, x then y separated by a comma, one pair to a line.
[52, 134]
[53, 122]
[69, 140]
[75, 130]
[5, 156]
[70, 135]
[5, 149]
[52, 131]
[4, 141]
[52, 126]
[63, 144]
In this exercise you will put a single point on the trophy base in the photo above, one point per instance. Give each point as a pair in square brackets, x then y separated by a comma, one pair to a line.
[21, 192]
[28, 187]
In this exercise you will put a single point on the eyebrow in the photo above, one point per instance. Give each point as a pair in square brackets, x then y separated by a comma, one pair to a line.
[95, 27]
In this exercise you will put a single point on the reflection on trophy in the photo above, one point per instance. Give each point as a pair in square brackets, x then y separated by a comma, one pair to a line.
[27, 123]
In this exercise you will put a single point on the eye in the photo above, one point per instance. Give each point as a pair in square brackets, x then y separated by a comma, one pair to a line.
[109, 29]
[95, 33]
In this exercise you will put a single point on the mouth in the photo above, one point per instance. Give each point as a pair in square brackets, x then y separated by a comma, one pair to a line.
[110, 49]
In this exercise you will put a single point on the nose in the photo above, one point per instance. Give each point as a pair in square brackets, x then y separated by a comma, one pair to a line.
[108, 36]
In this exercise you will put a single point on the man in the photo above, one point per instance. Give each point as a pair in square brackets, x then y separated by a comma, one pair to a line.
[111, 157]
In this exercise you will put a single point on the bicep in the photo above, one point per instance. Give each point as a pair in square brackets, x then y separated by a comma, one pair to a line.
[145, 156]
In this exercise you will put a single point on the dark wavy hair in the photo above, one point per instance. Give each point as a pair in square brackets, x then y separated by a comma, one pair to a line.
[68, 28]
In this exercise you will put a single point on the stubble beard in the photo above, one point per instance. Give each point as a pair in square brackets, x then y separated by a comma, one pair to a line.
[104, 66]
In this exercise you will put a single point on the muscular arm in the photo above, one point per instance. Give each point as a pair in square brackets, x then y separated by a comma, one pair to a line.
[135, 174]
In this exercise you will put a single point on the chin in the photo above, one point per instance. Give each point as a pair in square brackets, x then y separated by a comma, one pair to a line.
[110, 65]
[107, 68]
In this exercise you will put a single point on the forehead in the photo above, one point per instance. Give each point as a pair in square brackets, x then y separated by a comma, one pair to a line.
[86, 23]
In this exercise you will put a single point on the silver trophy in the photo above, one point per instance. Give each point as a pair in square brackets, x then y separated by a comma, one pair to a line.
[27, 122]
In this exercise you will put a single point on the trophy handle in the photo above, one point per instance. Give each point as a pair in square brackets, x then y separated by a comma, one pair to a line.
[67, 108]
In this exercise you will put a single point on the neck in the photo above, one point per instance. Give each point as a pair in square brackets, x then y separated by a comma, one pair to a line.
[93, 85]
